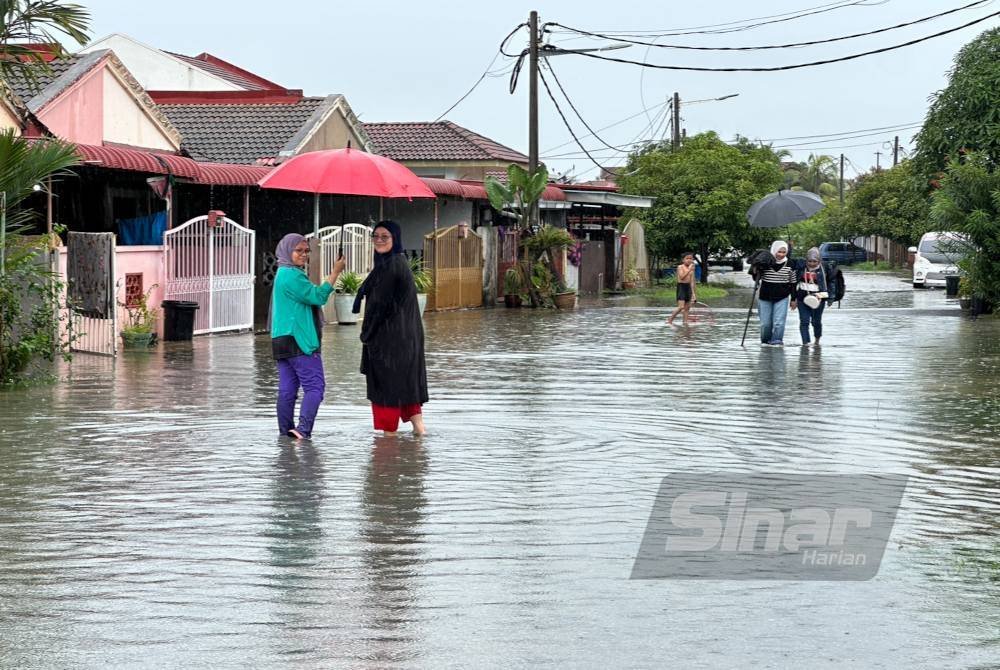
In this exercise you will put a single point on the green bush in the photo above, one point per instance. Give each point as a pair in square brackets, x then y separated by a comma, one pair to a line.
[421, 277]
[348, 282]
[29, 313]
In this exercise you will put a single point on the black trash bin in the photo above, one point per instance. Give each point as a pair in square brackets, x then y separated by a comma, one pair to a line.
[951, 285]
[178, 320]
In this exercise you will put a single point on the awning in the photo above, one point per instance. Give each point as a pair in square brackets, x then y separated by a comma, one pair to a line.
[226, 174]
[139, 160]
[475, 190]
[608, 198]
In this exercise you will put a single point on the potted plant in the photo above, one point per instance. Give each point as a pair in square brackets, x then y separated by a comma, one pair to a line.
[630, 277]
[965, 293]
[512, 285]
[422, 280]
[343, 300]
[140, 327]
[546, 243]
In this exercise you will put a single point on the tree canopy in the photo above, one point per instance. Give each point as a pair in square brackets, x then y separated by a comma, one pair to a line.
[968, 202]
[891, 203]
[703, 190]
[965, 116]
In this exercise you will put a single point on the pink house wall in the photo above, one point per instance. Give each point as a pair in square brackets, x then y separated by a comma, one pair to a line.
[147, 260]
[77, 114]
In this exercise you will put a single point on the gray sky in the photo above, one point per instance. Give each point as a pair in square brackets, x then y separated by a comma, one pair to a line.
[409, 61]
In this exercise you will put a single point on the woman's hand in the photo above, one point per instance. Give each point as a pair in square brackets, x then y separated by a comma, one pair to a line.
[338, 267]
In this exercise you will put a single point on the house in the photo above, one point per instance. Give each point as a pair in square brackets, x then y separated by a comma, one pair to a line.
[444, 150]
[93, 99]
[158, 70]
[260, 127]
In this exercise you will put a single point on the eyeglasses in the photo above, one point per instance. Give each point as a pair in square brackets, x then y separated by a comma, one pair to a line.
[382, 238]
[301, 251]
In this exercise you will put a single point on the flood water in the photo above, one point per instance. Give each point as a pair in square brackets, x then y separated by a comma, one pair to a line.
[150, 516]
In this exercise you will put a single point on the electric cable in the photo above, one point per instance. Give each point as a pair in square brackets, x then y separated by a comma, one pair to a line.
[776, 46]
[779, 68]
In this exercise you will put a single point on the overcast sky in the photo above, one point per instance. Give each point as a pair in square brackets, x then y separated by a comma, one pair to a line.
[410, 61]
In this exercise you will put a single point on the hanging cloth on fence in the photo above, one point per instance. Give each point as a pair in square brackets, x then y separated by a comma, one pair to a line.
[88, 273]
[142, 229]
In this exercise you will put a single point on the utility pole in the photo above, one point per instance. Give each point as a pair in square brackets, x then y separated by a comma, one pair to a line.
[841, 180]
[895, 152]
[533, 106]
[878, 154]
[675, 141]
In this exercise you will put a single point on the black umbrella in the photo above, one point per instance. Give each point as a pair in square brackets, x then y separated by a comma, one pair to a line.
[779, 209]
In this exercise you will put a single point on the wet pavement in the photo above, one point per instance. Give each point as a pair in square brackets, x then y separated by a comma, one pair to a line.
[149, 515]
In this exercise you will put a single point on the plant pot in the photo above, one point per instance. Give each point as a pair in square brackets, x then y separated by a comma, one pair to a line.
[512, 300]
[343, 303]
[422, 303]
[965, 302]
[565, 300]
[628, 285]
[137, 340]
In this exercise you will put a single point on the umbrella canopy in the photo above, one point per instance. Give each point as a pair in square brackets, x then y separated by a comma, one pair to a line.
[779, 209]
[346, 172]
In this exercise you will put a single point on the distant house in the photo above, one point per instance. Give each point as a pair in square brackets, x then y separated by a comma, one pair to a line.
[158, 70]
[228, 114]
[443, 149]
[259, 128]
[94, 99]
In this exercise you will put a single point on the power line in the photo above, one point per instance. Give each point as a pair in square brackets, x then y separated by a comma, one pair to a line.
[786, 67]
[733, 26]
[898, 126]
[469, 92]
[569, 127]
[618, 123]
[833, 139]
[575, 110]
[775, 46]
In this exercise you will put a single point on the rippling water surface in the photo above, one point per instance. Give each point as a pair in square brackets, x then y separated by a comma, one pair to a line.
[149, 515]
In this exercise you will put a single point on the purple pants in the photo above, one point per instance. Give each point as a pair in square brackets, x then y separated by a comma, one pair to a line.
[307, 372]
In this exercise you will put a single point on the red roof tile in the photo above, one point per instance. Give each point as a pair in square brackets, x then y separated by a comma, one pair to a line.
[437, 141]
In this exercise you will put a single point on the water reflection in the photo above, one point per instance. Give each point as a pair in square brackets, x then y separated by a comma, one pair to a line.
[296, 527]
[392, 506]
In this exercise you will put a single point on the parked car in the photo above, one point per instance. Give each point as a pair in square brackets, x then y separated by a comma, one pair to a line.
[842, 253]
[937, 256]
[732, 259]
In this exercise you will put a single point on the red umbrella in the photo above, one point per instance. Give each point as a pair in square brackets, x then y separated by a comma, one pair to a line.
[345, 172]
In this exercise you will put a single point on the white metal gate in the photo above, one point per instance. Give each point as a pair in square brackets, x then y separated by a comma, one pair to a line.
[92, 328]
[359, 252]
[213, 266]
[358, 248]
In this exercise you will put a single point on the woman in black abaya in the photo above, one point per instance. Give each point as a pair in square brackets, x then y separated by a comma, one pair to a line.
[392, 336]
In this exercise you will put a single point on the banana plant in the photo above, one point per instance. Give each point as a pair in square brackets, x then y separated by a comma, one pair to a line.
[522, 190]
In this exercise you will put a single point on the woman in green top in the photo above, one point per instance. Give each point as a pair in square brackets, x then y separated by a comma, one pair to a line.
[296, 331]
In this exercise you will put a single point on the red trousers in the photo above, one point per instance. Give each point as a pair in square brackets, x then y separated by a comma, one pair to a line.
[387, 418]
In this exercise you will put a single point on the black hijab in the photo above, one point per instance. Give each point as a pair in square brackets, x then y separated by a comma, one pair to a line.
[381, 260]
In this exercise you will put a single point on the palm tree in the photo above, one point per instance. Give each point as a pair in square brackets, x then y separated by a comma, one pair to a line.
[820, 175]
[23, 165]
[26, 22]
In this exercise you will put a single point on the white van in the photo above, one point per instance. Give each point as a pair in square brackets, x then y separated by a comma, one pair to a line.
[937, 256]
